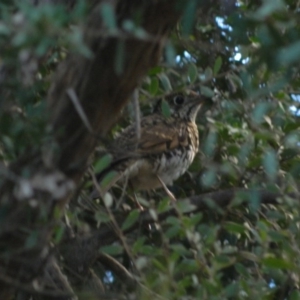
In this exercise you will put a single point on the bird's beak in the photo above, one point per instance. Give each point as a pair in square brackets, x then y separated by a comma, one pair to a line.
[192, 93]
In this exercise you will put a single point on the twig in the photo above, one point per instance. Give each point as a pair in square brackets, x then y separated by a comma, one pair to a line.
[120, 271]
[31, 290]
[71, 93]
[137, 113]
[115, 224]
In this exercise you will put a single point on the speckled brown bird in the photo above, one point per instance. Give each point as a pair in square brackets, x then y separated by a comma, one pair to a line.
[165, 149]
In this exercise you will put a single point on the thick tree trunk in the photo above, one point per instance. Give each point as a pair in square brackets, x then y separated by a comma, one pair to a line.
[94, 87]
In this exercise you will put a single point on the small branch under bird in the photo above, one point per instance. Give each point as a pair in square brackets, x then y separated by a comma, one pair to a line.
[165, 149]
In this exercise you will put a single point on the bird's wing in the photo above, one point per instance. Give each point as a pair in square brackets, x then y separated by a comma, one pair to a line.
[157, 135]
[161, 138]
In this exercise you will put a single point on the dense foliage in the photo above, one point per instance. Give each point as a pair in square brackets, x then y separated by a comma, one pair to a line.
[244, 56]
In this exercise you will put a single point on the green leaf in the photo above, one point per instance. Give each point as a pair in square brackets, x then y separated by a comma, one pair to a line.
[163, 205]
[189, 16]
[192, 72]
[102, 216]
[153, 214]
[232, 290]
[270, 163]
[206, 91]
[138, 244]
[248, 255]
[108, 200]
[277, 263]
[196, 218]
[128, 25]
[172, 231]
[208, 179]
[153, 87]
[108, 178]
[155, 71]
[180, 249]
[234, 227]
[254, 200]
[170, 54]
[187, 265]
[162, 267]
[131, 219]
[166, 111]
[208, 73]
[217, 65]
[58, 234]
[241, 269]
[148, 250]
[173, 221]
[108, 15]
[259, 112]
[165, 82]
[210, 143]
[112, 249]
[295, 295]
[289, 54]
[268, 8]
[185, 206]
[235, 80]
[32, 239]
[102, 163]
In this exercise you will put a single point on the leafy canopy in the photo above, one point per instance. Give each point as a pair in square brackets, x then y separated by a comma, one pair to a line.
[244, 56]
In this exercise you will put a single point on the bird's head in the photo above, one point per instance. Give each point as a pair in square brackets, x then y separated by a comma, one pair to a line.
[180, 105]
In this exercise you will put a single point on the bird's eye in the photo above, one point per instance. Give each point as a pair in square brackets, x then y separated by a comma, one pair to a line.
[178, 100]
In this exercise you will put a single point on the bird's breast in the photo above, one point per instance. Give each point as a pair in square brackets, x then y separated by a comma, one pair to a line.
[168, 165]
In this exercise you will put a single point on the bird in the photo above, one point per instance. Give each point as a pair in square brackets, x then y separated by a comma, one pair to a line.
[161, 151]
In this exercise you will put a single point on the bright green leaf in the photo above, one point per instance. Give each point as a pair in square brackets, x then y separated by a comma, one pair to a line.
[102, 163]
[108, 178]
[154, 85]
[217, 65]
[277, 263]
[131, 219]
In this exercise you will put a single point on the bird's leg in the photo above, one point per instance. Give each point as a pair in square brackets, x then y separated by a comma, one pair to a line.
[169, 193]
